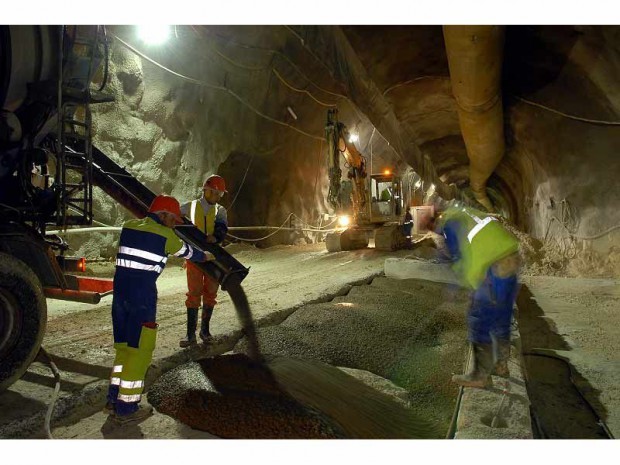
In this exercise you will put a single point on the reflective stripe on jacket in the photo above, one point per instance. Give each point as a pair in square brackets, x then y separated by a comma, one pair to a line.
[145, 244]
[482, 241]
[211, 219]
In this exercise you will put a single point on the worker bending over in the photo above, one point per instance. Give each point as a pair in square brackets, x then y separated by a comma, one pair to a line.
[143, 250]
[486, 260]
[211, 219]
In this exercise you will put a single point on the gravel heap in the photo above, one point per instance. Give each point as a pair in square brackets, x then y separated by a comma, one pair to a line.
[564, 259]
[410, 332]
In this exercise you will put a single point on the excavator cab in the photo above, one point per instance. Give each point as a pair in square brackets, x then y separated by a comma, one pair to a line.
[386, 203]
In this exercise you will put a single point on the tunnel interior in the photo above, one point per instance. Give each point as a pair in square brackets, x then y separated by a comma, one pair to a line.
[250, 103]
[256, 115]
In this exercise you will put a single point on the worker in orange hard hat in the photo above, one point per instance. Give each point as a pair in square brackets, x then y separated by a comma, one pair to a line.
[210, 218]
[143, 250]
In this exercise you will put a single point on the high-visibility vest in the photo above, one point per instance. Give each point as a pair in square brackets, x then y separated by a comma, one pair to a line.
[482, 241]
[204, 222]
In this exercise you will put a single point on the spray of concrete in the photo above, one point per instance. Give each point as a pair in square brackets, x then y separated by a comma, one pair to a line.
[244, 314]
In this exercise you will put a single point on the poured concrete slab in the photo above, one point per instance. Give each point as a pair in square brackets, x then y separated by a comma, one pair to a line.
[501, 411]
[404, 268]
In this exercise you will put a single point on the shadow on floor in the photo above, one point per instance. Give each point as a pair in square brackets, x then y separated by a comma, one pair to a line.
[559, 411]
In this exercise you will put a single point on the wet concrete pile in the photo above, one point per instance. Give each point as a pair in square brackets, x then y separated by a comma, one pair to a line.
[410, 332]
[232, 397]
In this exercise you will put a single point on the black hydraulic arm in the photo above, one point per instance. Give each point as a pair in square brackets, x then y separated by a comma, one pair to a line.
[123, 187]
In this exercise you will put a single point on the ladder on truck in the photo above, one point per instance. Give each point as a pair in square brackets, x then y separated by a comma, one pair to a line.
[81, 53]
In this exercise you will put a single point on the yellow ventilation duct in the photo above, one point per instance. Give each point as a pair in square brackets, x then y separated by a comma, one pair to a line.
[475, 61]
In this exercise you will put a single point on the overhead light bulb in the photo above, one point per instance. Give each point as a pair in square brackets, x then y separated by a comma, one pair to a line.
[154, 34]
[353, 138]
[387, 172]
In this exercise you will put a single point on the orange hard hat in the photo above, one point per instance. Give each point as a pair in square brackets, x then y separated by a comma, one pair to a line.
[166, 203]
[215, 182]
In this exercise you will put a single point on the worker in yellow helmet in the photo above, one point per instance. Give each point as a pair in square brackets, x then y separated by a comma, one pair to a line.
[486, 259]
[209, 217]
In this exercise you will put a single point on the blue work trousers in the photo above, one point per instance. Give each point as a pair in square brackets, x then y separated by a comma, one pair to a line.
[490, 314]
[134, 303]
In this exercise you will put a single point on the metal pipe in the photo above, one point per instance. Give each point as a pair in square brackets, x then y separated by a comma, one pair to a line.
[232, 228]
[83, 230]
[72, 295]
[475, 62]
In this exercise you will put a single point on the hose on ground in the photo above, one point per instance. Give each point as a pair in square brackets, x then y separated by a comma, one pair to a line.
[45, 357]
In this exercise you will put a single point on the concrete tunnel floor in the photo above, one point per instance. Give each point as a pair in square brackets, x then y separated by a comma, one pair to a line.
[278, 287]
[410, 332]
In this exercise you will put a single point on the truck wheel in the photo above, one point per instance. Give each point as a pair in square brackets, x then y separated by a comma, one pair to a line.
[23, 318]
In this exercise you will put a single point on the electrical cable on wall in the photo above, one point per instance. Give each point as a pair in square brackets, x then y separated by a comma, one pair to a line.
[301, 90]
[278, 53]
[242, 182]
[240, 65]
[566, 115]
[216, 87]
[409, 81]
[275, 53]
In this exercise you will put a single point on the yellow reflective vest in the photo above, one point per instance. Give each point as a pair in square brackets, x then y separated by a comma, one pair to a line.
[203, 221]
[482, 241]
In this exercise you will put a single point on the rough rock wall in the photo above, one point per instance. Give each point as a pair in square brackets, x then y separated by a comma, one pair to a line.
[173, 132]
[565, 171]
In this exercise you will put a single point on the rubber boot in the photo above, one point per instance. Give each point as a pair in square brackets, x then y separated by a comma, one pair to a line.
[479, 374]
[142, 413]
[501, 355]
[192, 322]
[207, 312]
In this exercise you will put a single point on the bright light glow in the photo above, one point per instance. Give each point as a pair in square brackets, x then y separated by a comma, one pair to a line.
[153, 34]
[353, 138]
[344, 220]
[387, 172]
[418, 184]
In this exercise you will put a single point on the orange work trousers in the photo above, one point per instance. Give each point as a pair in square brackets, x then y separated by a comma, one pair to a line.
[199, 284]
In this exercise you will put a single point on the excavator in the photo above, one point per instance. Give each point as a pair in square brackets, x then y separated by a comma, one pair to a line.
[49, 78]
[375, 204]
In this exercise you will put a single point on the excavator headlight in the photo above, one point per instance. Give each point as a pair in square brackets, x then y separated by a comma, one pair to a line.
[344, 221]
